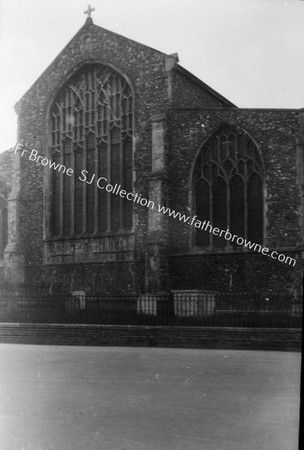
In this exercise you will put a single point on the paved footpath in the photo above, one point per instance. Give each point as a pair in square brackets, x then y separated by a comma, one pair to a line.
[101, 398]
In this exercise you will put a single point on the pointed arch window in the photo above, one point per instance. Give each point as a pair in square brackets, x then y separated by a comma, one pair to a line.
[91, 128]
[228, 188]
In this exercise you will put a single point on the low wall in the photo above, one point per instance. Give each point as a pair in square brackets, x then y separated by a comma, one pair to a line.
[157, 336]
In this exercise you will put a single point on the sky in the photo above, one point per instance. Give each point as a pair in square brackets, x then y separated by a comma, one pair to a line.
[250, 51]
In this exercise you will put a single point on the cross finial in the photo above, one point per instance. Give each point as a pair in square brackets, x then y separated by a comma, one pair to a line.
[89, 11]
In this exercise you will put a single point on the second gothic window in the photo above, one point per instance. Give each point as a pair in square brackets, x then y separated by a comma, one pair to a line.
[228, 188]
[91, 124]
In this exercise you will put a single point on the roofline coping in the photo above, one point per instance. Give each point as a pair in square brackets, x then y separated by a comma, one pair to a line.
[201, 83]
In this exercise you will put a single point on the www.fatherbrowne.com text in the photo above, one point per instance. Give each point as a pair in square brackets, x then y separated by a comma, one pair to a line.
[226, 234]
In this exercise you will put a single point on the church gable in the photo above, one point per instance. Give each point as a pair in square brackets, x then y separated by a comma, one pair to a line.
[143, 66]
[158, 80]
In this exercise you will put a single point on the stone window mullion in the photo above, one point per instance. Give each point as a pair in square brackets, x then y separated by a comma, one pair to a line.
[96, 156]
[62, 118]
[109, 162]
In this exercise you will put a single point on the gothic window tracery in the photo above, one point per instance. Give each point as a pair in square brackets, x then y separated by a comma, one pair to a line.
[91, 128]
[228, 188]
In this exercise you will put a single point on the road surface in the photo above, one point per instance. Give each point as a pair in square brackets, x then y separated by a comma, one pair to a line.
[101, 398]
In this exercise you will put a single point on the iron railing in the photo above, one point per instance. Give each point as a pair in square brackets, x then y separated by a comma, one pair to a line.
[180, 308]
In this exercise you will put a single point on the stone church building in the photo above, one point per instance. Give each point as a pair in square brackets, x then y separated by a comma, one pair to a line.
[111, 132]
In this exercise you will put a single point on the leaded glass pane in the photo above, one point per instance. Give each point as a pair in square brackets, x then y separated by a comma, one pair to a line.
[237, 207]
[219, 209]
[55, 203]
[202, 211]
[255, 209]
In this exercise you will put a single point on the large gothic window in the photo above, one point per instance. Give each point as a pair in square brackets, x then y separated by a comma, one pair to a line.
[91, 124]
[228, 188]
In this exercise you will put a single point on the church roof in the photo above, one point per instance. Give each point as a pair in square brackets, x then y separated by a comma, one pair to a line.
[89, 25]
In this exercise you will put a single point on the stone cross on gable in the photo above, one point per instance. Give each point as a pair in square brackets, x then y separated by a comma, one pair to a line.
[89, 11]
